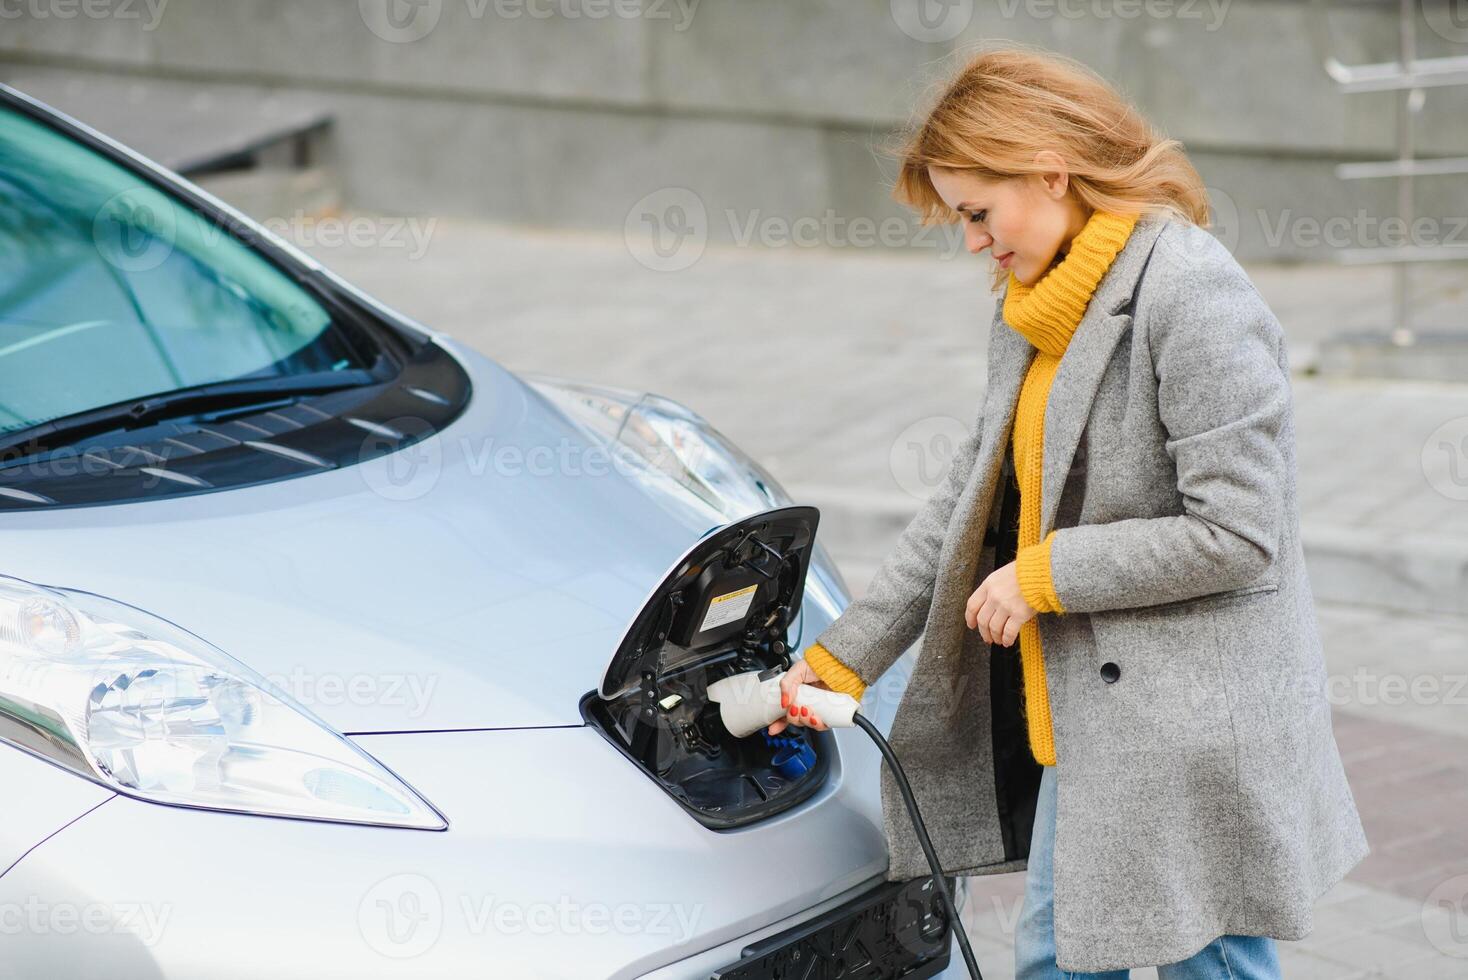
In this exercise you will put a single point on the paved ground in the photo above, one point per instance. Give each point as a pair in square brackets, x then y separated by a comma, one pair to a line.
[839, 368]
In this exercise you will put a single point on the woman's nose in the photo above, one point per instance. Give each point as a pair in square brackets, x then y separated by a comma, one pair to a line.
[977, 240]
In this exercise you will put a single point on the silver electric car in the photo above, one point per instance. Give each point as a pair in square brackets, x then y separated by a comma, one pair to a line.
[332, 648]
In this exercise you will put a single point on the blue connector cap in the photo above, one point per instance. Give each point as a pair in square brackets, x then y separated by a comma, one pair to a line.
[794, 757]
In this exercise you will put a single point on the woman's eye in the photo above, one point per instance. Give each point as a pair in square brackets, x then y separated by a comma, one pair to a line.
[978, 215]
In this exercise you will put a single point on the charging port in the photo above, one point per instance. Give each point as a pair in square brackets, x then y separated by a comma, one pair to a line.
[723, 609]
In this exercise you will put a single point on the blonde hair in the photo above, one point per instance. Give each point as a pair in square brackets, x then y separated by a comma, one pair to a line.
[1007, 104]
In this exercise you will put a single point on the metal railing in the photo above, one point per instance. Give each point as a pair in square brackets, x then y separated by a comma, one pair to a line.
[1411, 76]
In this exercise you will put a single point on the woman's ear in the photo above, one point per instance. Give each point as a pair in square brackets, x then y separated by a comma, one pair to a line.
[1055, 177]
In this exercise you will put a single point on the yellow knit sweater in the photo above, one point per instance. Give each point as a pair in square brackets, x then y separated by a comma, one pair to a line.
[1046, 314]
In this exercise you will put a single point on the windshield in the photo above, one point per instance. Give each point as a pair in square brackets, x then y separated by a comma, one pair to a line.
[111, 289]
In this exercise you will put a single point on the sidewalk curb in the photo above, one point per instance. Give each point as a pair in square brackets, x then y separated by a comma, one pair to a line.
[1407, 572]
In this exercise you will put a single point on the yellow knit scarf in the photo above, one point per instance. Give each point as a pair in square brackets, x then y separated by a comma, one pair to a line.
[1047, 314]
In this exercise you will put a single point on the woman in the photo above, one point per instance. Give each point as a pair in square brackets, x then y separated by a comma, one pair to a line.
[1160, 761]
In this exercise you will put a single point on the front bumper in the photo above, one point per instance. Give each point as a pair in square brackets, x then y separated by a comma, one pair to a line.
[561, 860]
[897, 929]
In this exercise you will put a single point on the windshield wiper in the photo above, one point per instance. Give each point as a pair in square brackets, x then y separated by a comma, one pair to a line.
[136, 412]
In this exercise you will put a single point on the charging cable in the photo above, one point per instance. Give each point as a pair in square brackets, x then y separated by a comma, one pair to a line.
[865, 724]
[751, 700]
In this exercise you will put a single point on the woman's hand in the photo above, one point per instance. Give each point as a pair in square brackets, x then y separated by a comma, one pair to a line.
[799, 673]
[997, 609]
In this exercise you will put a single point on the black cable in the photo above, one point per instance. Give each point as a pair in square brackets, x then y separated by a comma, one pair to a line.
[866, 725]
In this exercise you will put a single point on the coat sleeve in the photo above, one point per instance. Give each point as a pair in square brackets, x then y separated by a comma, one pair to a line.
[874, 630]
[1224, 399]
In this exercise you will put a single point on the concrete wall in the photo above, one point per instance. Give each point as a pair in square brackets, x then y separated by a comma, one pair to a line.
[572, 112]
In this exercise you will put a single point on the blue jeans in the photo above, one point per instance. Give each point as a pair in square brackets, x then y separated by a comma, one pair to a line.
[1225, 958]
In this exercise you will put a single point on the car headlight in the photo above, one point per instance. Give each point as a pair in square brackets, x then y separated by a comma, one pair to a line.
[679, 448]
[150, 710]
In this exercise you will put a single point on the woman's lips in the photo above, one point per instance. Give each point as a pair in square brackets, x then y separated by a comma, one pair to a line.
[1004, 260]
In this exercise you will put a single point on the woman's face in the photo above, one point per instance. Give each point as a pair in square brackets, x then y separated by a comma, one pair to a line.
[1025, 222]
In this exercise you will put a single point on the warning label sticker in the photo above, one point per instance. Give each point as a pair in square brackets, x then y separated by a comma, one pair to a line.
[728, 607]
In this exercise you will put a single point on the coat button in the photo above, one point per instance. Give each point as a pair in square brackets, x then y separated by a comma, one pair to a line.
[1110, 672]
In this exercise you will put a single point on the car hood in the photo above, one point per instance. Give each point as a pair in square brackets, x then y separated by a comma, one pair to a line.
[480, 578]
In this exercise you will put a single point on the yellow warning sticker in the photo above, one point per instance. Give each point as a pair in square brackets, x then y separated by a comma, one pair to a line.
[728, 607]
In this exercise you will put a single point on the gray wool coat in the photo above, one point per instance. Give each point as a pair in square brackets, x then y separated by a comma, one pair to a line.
[1200, 788]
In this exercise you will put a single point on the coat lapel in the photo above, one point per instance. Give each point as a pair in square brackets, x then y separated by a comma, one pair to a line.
[1009, 358]
[1080, 370]
[1071, 394]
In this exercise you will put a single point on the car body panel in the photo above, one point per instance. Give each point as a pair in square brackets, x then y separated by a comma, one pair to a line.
[41, 799]
[539, 819]
[433, 588]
